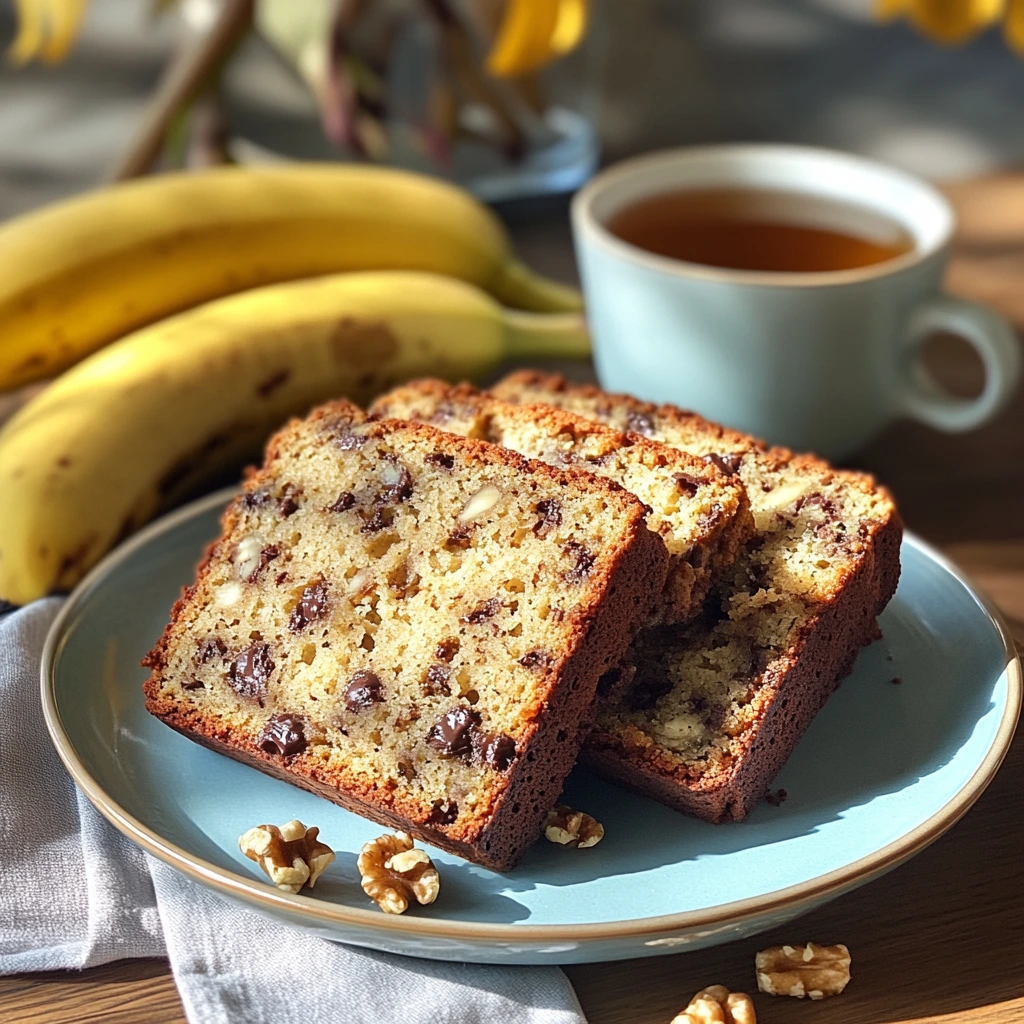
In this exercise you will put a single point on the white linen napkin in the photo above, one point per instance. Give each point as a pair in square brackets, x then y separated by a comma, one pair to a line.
[75, 893]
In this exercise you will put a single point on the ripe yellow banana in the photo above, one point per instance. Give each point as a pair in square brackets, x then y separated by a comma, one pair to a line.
[82, 273]
[142, 423]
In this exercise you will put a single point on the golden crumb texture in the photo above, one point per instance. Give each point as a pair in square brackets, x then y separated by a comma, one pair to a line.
[411, 624]
[713, 710]
[700, 512]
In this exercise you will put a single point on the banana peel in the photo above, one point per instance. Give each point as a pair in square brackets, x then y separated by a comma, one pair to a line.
[148, 420]
[81, 273]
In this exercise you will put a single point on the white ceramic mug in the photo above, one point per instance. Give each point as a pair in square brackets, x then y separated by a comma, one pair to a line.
[816, 361]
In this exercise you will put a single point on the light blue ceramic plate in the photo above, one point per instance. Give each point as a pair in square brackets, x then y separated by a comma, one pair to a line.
[884, 770]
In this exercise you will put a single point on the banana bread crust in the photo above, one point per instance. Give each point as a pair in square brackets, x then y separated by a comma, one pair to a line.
[702, 512]
[797, 686]
[509, 805]
[826, 551]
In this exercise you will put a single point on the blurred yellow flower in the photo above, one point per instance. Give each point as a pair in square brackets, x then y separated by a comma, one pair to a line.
[46, 29]
[945, 21]
[532, 32]
[535, 32]
[1013, 27]
[958, 21]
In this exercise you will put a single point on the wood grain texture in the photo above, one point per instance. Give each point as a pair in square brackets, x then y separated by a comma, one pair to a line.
[940, 939]
[126, 992]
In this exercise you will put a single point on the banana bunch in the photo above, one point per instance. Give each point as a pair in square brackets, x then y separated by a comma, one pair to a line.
[144, 422]
[79, 274]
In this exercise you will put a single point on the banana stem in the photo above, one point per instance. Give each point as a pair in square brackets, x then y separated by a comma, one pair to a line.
[546, 335]
[517, 285]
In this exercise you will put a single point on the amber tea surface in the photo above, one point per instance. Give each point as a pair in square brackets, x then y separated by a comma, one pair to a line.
[761, 230]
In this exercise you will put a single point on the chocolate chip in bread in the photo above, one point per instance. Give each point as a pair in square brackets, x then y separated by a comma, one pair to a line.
[699, 510]
[393, 618]
[714, 711]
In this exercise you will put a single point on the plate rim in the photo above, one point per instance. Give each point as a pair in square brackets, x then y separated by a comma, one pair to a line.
[316, 911]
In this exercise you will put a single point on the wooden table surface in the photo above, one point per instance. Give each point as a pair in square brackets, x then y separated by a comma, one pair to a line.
[939, 939]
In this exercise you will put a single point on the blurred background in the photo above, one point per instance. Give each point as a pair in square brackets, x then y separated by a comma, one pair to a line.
[647, 73]
[933, 86]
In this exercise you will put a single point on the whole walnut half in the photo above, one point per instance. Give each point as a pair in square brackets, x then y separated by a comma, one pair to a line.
[394, 873]
[567, 827]
[291, 855]
[810, 971]
[717, 1005]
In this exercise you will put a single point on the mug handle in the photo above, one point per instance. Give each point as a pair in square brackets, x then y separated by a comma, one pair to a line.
[993, 339]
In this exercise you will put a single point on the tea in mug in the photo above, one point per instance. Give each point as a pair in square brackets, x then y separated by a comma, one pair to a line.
[760, 230]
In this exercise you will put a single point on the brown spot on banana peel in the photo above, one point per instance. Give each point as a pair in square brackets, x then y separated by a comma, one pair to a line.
[272, 383]
[70, 569]
[363, 346]
[189, 464]
[125, 530]
[33, 362]
[217, 462]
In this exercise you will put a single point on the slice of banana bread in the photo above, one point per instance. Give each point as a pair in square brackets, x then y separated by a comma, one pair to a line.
[395, 618]
[715, 710]
[700, 512]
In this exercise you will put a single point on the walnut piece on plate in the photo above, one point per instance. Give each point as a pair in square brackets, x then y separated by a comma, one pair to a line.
[810, 971]
[291, 855]
[717, 1005]
[567, 827]
[393, 873]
